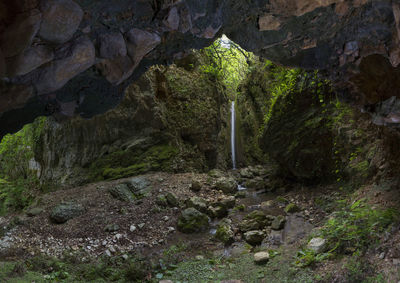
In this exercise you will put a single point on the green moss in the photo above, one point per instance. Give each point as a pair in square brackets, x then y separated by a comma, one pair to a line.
[292, 208]
[126, 163]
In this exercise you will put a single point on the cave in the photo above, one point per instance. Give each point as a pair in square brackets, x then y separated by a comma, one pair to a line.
[199, 141]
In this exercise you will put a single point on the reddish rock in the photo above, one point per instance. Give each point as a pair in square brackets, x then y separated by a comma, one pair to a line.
[17, 37]
[79, 57]
[61, 19]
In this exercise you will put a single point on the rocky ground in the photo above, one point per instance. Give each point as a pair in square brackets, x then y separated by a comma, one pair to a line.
[203, 215]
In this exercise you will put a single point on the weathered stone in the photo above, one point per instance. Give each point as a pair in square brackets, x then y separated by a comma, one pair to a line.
[29, 60]
[254, 237]
[261, 257]
[198, 203]
[226, 184]
[111, 228]
[140, 43]
[278, 223]
[217, 211]
[117, 70]
[15, 96]
[224, 232]
[172, 20]
[246, 173]
[112, 45]
[61, 19]
[292, 208]
[216, 173]
[192, 221]
[139, 185]
[269, 22]
[121, 192]
[318, 245]
[195, 186]
[17, 37]
[256, 183]
[66, 211]
[79, 56]
[34, 211]
[161, 200]
[172, 199]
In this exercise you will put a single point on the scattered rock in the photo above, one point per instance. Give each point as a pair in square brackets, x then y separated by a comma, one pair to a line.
[192, 221]
[195, 186]
[66, 211]
[217, 211]
[112, 45]
[162, 201]
[141, 225]
[256, 183]
[246, 173]
[111, 228]
[132, 228]
[254, 237]
[240, 194]
[138, 185]
[216, 173]
[198, 203]
[61, 19]
[34, 211]
[261, 257]
[199, 257]
[278, 223]
[122, 193]
[227, 202]
[226, 184]
[140, 43]
[292, 208]
[267, 204]
[255, 220]
[318, 245]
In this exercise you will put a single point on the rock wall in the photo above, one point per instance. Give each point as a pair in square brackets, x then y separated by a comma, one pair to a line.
[77, 57]
[170, 120]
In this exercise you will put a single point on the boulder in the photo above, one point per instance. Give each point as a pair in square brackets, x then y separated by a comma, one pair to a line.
[74, 59]
[318, 245]
[246, 173]
[292, 208]
[261, 257]
[172, 19]
[197, 202]
[224, 232]
[172, 200]
[117, 70]
[254, 237]
[195, 186]
[66, 211]
[140, 43]
[122, 193]
[112, 45]
[216, 173]
[29, 60]
[19, 35]
[34, 211]
[227, 201]
[278, 223]
[192, 221]
[257, 183]
[61, 19]
[217, 211]
[139, 185]
[226, 184]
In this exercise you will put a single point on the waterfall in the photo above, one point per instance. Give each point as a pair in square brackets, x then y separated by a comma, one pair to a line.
[233, 135]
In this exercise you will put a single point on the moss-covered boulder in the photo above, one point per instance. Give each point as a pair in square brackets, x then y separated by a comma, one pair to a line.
[66, 211]
[278, 223]
[226, 184]
[172, 199]
[122, 193]
[217, 211]
[192, 221]
[224, 232]
[255, 220]
[198, 203]
[140, 185]
[254, 237]
[292, 208]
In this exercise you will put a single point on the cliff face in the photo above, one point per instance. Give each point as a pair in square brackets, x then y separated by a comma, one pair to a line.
[78, 57]
[169, 120]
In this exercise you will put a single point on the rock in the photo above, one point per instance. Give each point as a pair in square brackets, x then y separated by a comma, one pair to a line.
[139, 185]
[199, 257]
[195, 186]
[111, 228]
[29, 60]
[254, 237]
[292, 208]
[217, 211]
[246, 173]
[76, 58]
[117, 70]
[112, 45]
[318, 245]
[216, 173]
[108, 253]
[192, 221]
[241, 194]
[34, 211]
[260, 217]
[261, 257]
[61, 19]
[198, 203]
[19, 35]
[172, 200]
[141, 225]
[122, 193]
[256, 183]
[224, 232]
[132, 228]
[266, 205]
[278, 223]
[227, 202]
[162, 201]
[140, 43]
[172, 20]
[66, 211]
[249, 224]
[165, 281]
[226, 184]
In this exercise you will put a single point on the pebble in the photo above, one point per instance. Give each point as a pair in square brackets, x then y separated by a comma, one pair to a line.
[118, 236]
[112, 249]
[261, 257]
[141, 225]
[108, 253]
[132, 228]
[125, 256]
[170, 229]
[165, 218]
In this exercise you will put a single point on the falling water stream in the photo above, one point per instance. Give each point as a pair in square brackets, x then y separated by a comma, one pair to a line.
[233, 135]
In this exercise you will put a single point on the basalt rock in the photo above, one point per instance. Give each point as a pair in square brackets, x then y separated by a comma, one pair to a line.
[356, 42]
